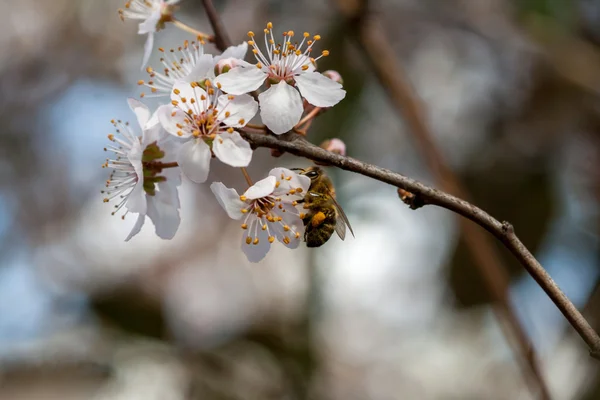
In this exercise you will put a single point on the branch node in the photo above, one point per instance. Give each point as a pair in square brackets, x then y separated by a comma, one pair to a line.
[507, 228]
[413, 201]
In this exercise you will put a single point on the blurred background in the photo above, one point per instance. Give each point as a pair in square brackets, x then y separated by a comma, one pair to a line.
[511, 90]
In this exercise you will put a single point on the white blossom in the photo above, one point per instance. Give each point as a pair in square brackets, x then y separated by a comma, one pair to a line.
[140, 180]
[287, 68]
[205, 119]
[187, 63]
[154, 14]
[268, 210]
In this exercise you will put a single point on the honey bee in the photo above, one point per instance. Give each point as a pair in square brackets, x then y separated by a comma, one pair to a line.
[324, 215]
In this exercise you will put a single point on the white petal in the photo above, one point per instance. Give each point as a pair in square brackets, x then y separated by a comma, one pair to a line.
[149, 25]
[242, 107]
[229, 199]
[261, 188]
[194, 160]
[137, 227]
[202, 70]
[147, 49]
[256, 252]
[240, 80]
[294, 224]
[302, 61]
[280, 107]
[141, 111]
[296, 181]
[170, 117]
[136, 200]
[186, 90]
[231, 149]
[164, 215]
[319, 90]
[238, 51]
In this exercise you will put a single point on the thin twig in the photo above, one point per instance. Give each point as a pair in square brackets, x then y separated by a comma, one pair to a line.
[380, 54]
[222, 40]
[296, 144]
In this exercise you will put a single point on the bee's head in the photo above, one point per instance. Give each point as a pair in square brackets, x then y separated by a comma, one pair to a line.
[311, 172]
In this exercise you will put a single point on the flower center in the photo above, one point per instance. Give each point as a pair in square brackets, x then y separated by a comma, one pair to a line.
[152, 167]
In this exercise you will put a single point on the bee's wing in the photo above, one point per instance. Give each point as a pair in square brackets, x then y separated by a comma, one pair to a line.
[342, 221]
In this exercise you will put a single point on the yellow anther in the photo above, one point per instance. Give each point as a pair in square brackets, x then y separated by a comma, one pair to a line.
[244, 226]
[244, 210]
[288, 178]
[255, 51]
[251, 34]
[227, 114]
[325, 53]
[179, 133]
[243, 198]
[251, 42]
[176, 91]
[140, 82]
[230, 130]
[302, 215]
[292, 191]
[304, 67]
[306, 34]
[317, 37]
[271, 239]
[290, 33]
[264, 227]
[184, 100]
[196, 132]
[242, 121]
[259, 65]
[298, 190]
[111, 137]
[149, 70]
[248, 240]
[154, 90]
[286, 240]
[269, 25]
[105, 200]
[174, 102]
[193, 101]
[286, 228]
[255, 241]
[230, 97]
[297, 235]
[298, 52]
[265, 31]
[277, 184]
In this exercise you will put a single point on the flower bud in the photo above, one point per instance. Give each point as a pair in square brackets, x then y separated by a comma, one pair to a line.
[334, 75]
[334, 145]
[225, 65]
[276, 153]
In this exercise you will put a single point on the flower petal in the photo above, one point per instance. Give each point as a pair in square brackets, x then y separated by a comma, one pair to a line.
[319, 90]
[149, 25]
[137, 227]
[171, 119]
[202, 70]
[292, 222]
[241, 109]
[141, 111]
[256, 252]
[229, 199]
[261, 188]
[238, 51]
[194, 160]
[241, 80]
[280, 107]
[163, 214]
[147, 49]
[231, 149]
[136, 200]
[289, 180]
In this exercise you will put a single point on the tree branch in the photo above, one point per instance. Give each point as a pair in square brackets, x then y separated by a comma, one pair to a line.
[222, 40]
[296, 144]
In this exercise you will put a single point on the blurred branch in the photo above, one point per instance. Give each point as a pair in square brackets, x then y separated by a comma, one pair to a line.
[380, 54]
[296, 144]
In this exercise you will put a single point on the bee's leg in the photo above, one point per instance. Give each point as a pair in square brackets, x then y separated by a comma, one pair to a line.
[318, 219]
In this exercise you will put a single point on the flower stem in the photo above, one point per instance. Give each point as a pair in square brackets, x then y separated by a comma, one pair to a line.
[256, 127]
[191, 30]
[167, 165]
[247, 176]
[308, 117]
